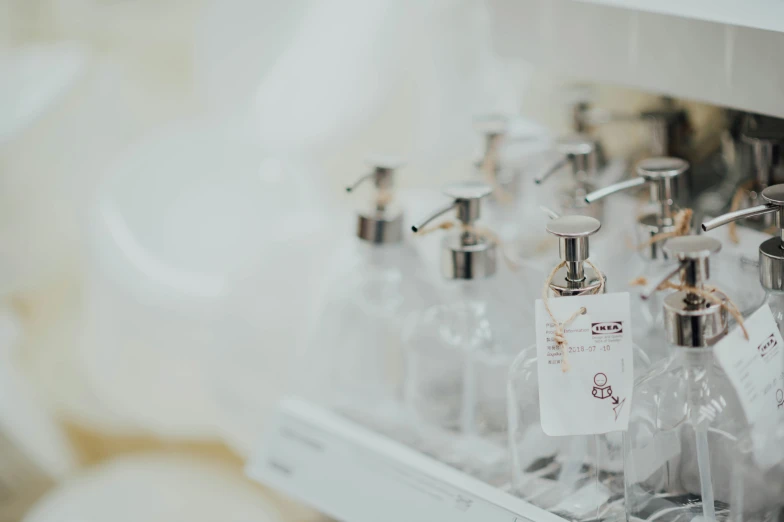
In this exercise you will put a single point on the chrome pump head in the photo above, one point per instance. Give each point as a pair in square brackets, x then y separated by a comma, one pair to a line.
[381, 222]
[690, 320]
[660, 175]
[574, 278]
[494, 129]
[771, 251]
[577, 150]
[580, 152]
[467, 254]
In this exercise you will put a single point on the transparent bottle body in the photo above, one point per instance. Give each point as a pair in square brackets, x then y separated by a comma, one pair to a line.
[358, 330]
[457, 358]
[576, 477]
[758, 467]
[735, 270]
[758, 475]
[685, 422]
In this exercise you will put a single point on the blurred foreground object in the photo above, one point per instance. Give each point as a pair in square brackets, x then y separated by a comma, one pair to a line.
[34, 452]
[156, 487]
[200, 265]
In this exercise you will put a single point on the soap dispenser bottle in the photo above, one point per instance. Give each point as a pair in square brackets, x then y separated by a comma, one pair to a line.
[757, 480]
[771, 254]
[578, 477]
[660, 175]
[686, 416]
[458, 351]
[375, 284]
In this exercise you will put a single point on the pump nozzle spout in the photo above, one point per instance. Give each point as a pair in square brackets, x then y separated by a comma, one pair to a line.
[738, 214]
[358, 182]
[652, 287]
[612, 189]
[441, 211]
[555, 167]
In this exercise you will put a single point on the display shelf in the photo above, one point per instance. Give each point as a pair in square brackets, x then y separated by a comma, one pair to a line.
[353, 474]
[759, 14]
[719, 52]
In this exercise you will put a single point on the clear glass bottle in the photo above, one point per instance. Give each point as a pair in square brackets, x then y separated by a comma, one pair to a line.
[375, 284]
[758, 474]
[577, 477]
[758, 466]
[686, 417]
[459, 350]
[661, 175]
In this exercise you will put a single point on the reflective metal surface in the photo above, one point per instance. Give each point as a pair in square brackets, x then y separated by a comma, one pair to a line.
[771, 251]
[467, 254]
[573, 246]
[382, 223]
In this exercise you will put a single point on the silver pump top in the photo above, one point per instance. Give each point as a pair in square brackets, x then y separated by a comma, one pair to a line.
[580, 152]
[577, 150]
[381, 222]
[575, 278]
[494, 129]
[771, 251]
[690, 320]
[466, 254]
[660, 175]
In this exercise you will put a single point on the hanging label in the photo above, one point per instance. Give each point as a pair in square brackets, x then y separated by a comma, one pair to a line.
[755, 367]
[594, 396]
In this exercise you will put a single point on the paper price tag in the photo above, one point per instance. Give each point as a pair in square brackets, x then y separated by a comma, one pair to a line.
[595, 395]
[755, 367]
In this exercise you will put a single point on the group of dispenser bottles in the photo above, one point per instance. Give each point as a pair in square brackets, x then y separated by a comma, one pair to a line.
[448, 364]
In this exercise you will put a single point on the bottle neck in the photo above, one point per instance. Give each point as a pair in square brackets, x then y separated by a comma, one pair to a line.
[382, 254]
[691, 357]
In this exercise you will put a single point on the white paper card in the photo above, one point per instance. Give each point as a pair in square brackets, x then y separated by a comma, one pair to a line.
[755, 367]
[595, 395]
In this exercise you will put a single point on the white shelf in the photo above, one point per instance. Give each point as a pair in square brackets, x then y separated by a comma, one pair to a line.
[355, 475]
[721, 52]
[759, 14]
